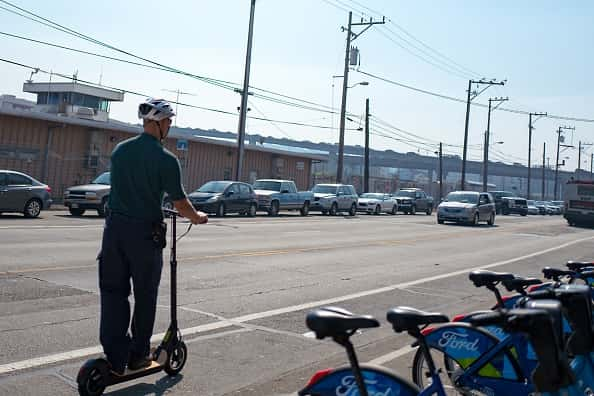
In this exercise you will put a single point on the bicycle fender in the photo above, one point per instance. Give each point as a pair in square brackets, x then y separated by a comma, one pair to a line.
[379, 382]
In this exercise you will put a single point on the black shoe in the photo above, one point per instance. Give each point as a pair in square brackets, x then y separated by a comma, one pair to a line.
[139, 363]
[119, 371]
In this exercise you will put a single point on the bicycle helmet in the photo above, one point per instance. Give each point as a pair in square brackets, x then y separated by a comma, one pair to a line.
[155, 110]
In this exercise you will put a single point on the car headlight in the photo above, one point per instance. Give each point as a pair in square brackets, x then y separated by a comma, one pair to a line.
[91, 194]
[66, 193]
[213, 199]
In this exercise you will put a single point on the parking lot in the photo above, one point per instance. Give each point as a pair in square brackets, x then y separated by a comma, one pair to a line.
[245, 285]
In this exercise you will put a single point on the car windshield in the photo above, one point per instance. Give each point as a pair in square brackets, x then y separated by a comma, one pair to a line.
[559, 203]
[213, 187]
[402, 193]
[102, 179]
[372, 196]
[462, 197]
[267, 185]
[540, 203]
[530, 203]
[324, 189]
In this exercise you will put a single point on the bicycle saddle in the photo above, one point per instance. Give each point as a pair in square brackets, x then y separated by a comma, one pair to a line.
[482, 278]
[334, 321]
[407, 319]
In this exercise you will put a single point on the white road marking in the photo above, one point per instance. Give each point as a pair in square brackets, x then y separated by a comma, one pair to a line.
[40, 227]
[85, 352]
[392, 355]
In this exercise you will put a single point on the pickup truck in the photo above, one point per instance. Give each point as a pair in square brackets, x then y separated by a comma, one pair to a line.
[276, 195]
[411, 200]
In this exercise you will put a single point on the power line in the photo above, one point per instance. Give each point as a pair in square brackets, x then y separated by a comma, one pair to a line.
[451, 98]
[174, 102]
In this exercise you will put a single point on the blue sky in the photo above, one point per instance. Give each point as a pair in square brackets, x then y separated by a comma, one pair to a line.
[543, 49]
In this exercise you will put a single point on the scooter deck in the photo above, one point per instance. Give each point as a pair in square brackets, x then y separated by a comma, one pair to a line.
[154, 364]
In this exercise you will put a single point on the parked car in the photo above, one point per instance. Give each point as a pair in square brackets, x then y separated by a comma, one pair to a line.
[542, 207]
[377, 203]
[498, 195]
[532, 209]
[334, 198]
[21, 193]
[274, 195]
[560, 205]
[223, 197]
[553, 209]
[468, 207]
[413, 200]
[92, 196]
[514, 205]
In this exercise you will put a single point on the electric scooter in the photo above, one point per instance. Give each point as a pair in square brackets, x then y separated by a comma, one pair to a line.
[170, 356]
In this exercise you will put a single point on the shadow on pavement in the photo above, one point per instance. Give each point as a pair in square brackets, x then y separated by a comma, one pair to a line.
[158, 388]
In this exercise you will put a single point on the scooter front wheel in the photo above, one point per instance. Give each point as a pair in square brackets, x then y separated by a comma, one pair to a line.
[91, 378]
[176, 359]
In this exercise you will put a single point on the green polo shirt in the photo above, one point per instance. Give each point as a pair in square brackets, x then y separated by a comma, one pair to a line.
[142, 170]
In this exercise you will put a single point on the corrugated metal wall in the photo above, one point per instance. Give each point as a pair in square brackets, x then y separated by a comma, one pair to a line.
[24, 143]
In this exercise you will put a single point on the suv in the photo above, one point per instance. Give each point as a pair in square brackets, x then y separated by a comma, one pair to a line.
[411, 200]
[515, 205]
[334, 198]
[21, 193]
[497, 196]
[93, 196]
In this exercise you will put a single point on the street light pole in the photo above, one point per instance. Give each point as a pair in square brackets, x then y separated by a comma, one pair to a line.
[487, 140]
[544, 152]
[366, 171]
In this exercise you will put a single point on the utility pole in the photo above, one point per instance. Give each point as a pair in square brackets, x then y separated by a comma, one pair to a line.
[487, 139]
[345, 80]
[582, 146]
[440, 171]
[592, 166]
[544, 152]
[530, 128]
[559, 132]
[366, 172]
[244, 96]
[468, 100]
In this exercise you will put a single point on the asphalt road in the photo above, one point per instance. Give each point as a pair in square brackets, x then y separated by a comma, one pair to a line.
[245, 286]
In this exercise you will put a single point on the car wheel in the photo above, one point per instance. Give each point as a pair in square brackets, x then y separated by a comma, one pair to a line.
[274, 208]
[475, 219]
[304, 209]
[32, 208]
[413, 210]
[103, 210]
[353, 210]
[333, 209]
[253, 210]
[76, 212]
[324, 212]
[220, 210]
[440, 221]
[394, 210]
[491, 220]
[429, 211]
[378, 210]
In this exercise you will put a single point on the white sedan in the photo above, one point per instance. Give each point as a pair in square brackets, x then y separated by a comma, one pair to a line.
[377, 203]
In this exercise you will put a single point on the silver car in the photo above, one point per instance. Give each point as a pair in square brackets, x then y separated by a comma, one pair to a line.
[334, 198]
[377, 203]
[467, 207]
[93, 196]
[22, 194]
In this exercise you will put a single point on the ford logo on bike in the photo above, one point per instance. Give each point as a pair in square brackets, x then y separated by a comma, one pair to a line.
[453, 340]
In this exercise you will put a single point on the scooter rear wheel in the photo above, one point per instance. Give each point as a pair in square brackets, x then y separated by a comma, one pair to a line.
[91, 378]
[176, 359]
